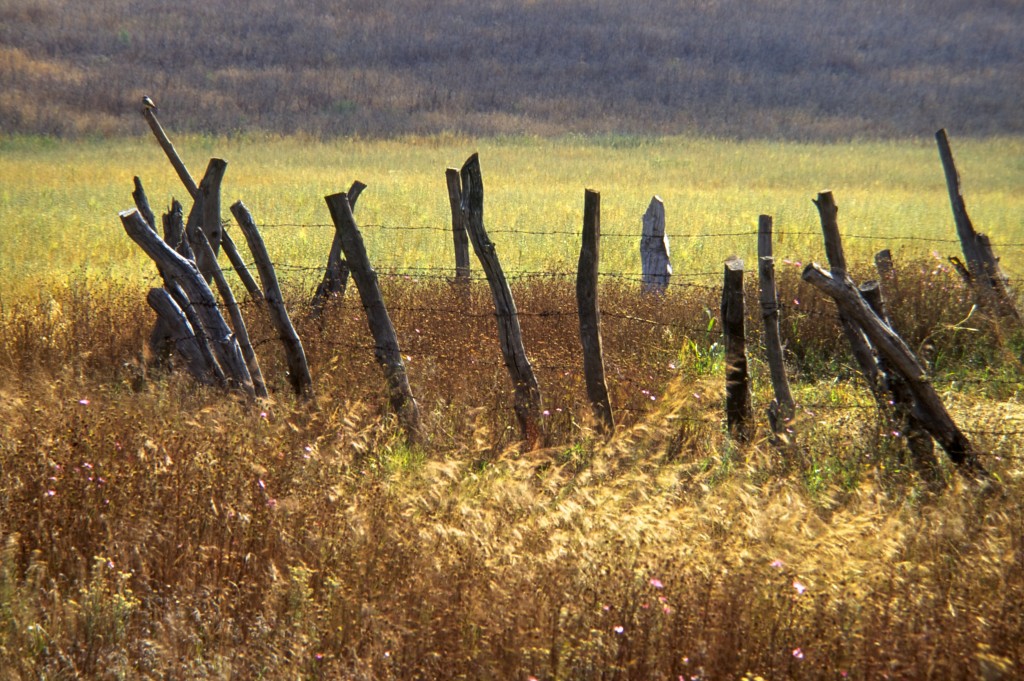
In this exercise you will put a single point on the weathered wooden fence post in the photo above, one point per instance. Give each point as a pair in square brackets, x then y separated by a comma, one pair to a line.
[336, 274]
[928, 405]
[590, 314]
[194, 193]
[142, 202]
[180, 332]
[386, 350]
[782, 408]
[737, 383]
[991, 285]
[459, 236]
[295, 356]
[919, 441]
[201, 244]
[528, 401]
[828, 212]
[185, 274]
[884, 265]
[655, 264]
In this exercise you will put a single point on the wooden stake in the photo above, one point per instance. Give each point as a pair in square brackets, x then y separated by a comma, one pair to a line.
[782, 407]
[336, 273]
[295, 356]
[528, 401]
[590, 314]
[459, 235]
[737, 383]
[654, 250]
[182, 335]
[387, 351]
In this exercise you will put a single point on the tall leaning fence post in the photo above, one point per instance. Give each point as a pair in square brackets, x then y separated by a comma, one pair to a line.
[295, 356]
[782, 407]
[528, 402]
[386, 348]
[737, 383]
[655, 264]
[590, 313]
[336, 273]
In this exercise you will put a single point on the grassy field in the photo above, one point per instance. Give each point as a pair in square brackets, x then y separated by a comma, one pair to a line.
[155, 529]
[59, 200]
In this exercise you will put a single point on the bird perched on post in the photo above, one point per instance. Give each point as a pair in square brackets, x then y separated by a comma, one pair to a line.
[148, 104]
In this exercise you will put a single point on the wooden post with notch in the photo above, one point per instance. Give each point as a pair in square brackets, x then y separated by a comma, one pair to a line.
[737, 383]
[590, 313]
[460, 238]
[528, 401]
[386, 348]
[991, 285]
[655, 263]
[295, 356]
[782, 408]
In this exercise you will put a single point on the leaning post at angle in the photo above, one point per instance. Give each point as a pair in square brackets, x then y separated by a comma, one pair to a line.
[336, 273]
[991, 285]
[654, 249]
[528, 402]
[828, 212]
[590, 314]
[298, 369]
[386, 348]
[782, 407]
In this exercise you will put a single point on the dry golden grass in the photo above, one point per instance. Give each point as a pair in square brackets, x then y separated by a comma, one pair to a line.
[153, 529]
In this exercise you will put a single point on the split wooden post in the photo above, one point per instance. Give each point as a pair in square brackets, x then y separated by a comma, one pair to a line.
[528, 401]
[655, 264]
[174, 225]
[182, 335]
[193, 191]
[386, 349]
[590, 314]
[828, 212]
[142, 202]
[459, 236]
[200, 244]
[336, 273]
[991, 285]
[295, 356]
[782, 407]
[737, 383]
[205, 215]
[932, 412]
[185, 274]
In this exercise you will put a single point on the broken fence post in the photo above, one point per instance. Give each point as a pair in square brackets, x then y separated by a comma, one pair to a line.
[386, 348]
[990, 284]
[590, 314]
[737, 383]
[655, 264]
[295, 356]
[931, 410]
[181, 335]
[528, 401]
[782, 407]
[185, 274]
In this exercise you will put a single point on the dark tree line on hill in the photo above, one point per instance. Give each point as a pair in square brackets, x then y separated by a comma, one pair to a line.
[796, 69]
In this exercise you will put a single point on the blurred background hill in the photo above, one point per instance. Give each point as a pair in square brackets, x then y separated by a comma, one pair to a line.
[777, 69]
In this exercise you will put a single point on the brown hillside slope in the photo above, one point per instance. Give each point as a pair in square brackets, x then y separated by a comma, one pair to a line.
[798, 69]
